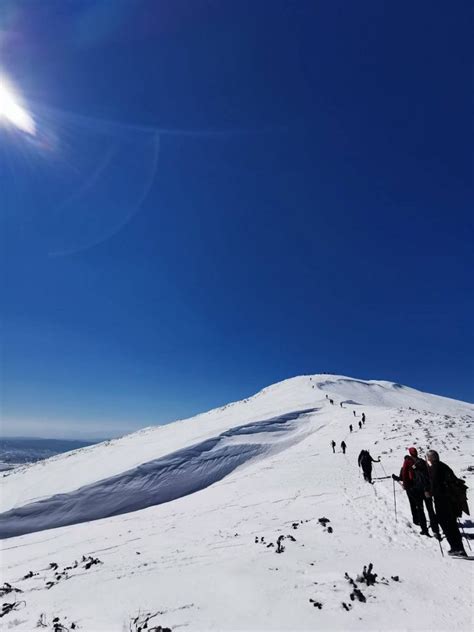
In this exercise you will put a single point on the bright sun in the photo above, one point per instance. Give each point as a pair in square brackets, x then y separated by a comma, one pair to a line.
[12, 112]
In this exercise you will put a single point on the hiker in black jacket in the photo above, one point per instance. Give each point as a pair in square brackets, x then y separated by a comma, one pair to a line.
[421, 486]
[343, 447]
[449, 504]
[365, 462]
[333, 446]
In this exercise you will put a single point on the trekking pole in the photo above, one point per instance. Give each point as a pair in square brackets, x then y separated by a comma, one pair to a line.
[464, 534]
[395, 501]
[440, 548]
[383, 469]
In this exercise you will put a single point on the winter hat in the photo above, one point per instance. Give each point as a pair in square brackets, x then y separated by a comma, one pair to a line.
[413, 452]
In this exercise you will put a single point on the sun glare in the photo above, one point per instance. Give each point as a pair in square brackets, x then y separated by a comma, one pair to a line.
[12, 112]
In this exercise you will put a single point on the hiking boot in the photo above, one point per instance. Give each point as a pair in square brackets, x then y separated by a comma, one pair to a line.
[460, 553]
[424, 532]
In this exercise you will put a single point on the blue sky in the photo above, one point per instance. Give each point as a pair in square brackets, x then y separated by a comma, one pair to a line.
[224, 194]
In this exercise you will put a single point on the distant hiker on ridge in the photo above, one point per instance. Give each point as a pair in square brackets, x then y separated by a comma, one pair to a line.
[340, 404]
[333, 446]
[331, 401]
[354, 412]
[450, 498]
[363, 418]
[360, 425]
[350, 427]
[343, 447]
[365, 462]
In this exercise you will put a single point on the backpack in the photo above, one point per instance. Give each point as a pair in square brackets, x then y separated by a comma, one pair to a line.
[421, 478]
[457, 490]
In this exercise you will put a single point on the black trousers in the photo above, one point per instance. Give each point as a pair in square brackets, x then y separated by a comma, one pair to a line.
[414, 510]
[431, 514]
[367, 474]
[417, 508]
[448, 522]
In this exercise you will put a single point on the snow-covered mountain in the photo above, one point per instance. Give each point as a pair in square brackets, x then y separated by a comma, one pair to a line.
[184, 521]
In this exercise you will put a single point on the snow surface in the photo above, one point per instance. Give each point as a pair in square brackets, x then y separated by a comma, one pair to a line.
[173, 514]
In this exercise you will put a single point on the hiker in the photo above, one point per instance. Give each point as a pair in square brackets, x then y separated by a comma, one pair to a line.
[354, 412]
[415, 481]
[333, 446]
[365, 462]
[340, 404]
[327, 396]
[363, 418]
[331, 401]
[407, 464]
[422, 485]
[450, 500]
[360, 425]
[350, 427]
[343, 447]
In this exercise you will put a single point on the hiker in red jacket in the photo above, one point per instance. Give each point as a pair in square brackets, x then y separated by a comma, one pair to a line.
[415, 484]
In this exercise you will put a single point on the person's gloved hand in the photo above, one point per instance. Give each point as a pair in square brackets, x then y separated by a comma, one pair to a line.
[395, 477]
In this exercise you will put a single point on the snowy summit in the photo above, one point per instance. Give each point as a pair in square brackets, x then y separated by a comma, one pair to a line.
[242, 518]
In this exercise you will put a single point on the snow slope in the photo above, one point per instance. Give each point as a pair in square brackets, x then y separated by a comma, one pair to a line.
[174, 513]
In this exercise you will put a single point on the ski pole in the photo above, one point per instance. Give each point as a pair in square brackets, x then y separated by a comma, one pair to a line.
[464, 534]
[395, 501]
[383, 469]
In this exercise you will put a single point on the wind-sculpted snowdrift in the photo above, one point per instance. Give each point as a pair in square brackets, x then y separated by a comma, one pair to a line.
[159, 481]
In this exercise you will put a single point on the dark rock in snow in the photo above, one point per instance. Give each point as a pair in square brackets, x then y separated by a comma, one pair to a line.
[8, 588]
[8, 607]
[280, 548]
[367, 576]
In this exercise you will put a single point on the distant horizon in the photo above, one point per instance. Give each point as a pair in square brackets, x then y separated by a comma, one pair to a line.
[58, 439]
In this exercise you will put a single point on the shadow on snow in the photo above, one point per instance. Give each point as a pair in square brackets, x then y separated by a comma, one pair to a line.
[153, 483]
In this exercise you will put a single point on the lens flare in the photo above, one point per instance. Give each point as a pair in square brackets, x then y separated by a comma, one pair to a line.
[11, 110]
